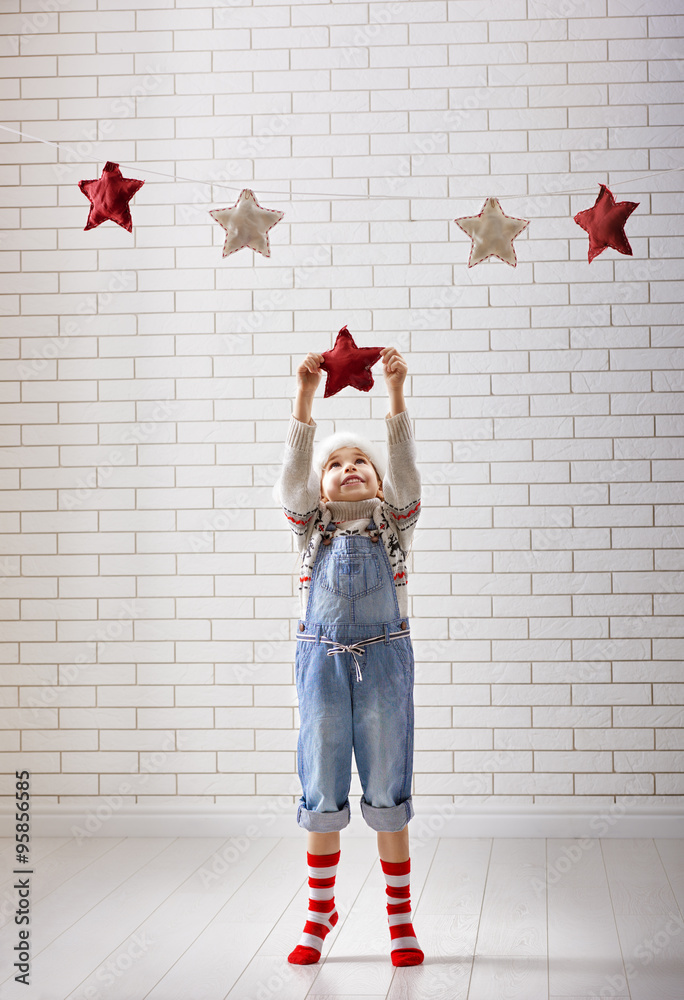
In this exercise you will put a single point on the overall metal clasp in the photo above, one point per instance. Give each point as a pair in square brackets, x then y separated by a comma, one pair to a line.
[328, 533]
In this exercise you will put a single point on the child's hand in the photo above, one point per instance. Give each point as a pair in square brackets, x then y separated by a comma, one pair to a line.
[309, 373]
[395, 368]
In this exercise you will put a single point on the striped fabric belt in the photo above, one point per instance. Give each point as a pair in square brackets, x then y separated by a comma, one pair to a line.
[355, 648]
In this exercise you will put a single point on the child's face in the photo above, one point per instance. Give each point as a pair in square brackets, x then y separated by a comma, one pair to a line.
[349, 474]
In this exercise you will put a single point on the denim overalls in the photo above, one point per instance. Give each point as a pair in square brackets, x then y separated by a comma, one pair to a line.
[360, 697]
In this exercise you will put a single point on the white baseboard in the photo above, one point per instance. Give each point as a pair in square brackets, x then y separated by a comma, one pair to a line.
[614, 821]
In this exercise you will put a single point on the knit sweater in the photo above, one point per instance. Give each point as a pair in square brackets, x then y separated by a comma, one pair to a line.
[308, 515]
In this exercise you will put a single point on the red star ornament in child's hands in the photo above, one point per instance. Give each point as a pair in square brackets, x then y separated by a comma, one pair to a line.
[109, 196]
[605, 223]
[348, 364]
[492, 233]
[246, 224]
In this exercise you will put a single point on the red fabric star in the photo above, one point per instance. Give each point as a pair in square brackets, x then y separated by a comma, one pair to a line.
[605, 223]
[348, 364]
[109, 196]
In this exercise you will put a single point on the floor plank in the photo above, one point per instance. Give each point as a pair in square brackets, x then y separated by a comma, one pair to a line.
[638, 882]
[581, 920]
[672, 859]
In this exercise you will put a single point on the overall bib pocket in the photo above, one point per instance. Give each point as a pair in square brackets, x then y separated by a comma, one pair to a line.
[350, 576]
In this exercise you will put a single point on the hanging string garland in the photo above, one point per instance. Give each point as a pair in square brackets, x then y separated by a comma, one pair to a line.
[321, 194]
[491, 234]
[605, 223]
[347, 364]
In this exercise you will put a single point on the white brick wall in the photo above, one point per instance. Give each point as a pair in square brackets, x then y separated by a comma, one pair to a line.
[147, 585]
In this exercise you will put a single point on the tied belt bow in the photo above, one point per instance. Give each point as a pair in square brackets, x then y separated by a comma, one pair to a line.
[353, 648]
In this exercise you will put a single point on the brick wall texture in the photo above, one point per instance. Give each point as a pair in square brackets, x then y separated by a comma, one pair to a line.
[148, 585]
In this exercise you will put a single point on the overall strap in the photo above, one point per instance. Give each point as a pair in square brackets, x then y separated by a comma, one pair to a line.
[373, 530]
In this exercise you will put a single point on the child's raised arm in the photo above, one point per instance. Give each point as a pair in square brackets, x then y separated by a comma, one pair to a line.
[395, 375]
[309, 375]
[401, 486]
[298, 488]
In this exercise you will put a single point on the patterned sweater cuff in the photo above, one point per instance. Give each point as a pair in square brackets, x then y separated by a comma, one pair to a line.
[399, 428]
[300, 436]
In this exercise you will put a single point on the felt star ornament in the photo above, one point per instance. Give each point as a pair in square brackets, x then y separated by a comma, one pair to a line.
[605, 223]
[246, 224]
[347, 364]
[109, 196]
[492, 233]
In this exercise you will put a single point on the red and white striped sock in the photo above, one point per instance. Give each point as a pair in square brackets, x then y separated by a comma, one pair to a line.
[405, 947]
[322, 915]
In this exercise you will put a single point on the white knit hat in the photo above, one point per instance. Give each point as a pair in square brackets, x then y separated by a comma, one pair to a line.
[348, 439]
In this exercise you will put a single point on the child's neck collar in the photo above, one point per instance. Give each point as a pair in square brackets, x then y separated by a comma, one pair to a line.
[350, 510]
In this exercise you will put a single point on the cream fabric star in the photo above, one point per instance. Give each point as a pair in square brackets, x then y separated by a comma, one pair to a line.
[246, 224]
[492, 233]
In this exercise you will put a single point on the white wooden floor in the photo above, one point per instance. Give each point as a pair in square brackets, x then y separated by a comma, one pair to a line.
[208, 919]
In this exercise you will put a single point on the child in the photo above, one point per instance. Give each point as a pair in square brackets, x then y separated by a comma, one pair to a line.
[353, 517]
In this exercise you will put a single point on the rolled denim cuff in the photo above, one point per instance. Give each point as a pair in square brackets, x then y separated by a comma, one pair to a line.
[388, 818]
[323, 822]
